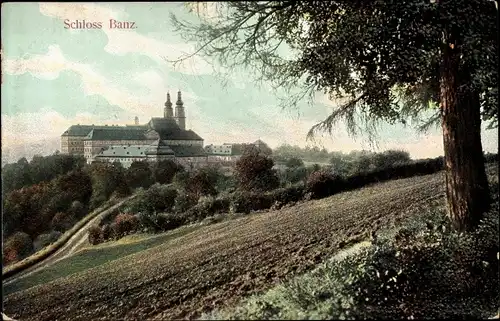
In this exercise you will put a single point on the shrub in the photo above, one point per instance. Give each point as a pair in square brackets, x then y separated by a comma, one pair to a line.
[294, 162]
[157, 198]
[170, 221]
[245, 202]
[97, 201]
[18, 246]
[156, 222]
[95, 235]
[207, 207]
[323, 183]
[183, 202]
[77, 210]
[114, 231]
[45, 239]
[126, 223]
[180, 179]
[288, 195]
[106, 232]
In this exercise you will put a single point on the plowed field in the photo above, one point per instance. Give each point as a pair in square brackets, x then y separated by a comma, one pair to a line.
[218, 264]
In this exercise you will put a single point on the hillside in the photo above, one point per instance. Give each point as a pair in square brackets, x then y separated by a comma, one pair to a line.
[218, 264]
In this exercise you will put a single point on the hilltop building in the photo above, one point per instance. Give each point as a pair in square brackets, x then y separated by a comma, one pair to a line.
[161, 138]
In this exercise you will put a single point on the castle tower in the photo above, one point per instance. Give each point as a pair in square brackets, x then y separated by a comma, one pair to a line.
[136, 120]
[168, 111]
[180, 116]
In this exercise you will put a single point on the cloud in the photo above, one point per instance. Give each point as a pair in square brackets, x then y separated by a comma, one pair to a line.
[42, 66]
[121, 42]
[49, 66]
[26, 128]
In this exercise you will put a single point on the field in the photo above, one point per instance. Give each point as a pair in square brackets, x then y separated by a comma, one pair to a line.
[216, 265]
[92, 257]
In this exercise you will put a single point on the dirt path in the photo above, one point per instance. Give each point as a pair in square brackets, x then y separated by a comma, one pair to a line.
[69, 248]
[219, 264]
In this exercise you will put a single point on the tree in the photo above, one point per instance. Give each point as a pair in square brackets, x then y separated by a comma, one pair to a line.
[294, 162]
[164, 171]
[95, 234]
[202, 183]
[255, 171]
[17, 247]
[378, 60]
[106, 180]
[139, 174]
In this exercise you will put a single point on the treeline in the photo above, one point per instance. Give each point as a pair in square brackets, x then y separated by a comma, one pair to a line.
[39, 169]
[35, 215]
[207, 193]
[343, 164]
[308, 154]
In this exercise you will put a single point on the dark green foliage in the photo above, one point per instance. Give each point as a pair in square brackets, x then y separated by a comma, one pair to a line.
[255, 172]
[294, 162]
[62, 221]
[207, 207]
[170, 221]
[39, 169]
[429, 271]
[158, 198]
[324, 183]
[288, 195]
[45, 239]
[295, 174]
[183, 202]
[106, 232]
[106, 180]
[181, 179]
[95, 235]
[285, 153]
[160, 222]
[382, 57]
[77, 183]
[245, 202]
[139, 174]
[32, 208]
[26, 210]
[165, 170]
[77, 210]
[202, 182]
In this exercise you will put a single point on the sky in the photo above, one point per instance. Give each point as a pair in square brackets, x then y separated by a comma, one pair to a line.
[53, 77]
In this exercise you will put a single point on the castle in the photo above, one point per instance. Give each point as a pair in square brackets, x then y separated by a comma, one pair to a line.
[161, 138]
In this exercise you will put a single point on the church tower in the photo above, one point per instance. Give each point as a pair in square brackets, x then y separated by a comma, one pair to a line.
[180, 116]
[168, 111]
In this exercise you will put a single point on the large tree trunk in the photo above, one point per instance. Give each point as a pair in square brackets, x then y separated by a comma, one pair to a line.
[466, 182]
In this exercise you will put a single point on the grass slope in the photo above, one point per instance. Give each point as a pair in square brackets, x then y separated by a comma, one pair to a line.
[217, 265]
[95, 256]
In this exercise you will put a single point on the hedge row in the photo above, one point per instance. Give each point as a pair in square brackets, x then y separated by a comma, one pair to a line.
[319, 185]
[245, 202]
